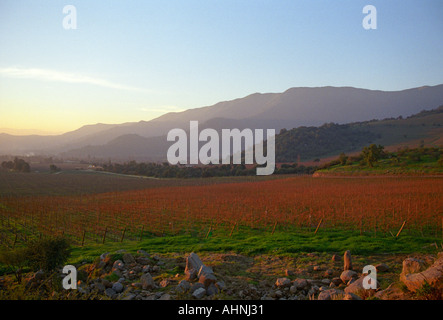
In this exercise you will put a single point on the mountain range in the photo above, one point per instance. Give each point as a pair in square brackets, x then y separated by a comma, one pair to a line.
[296, 107]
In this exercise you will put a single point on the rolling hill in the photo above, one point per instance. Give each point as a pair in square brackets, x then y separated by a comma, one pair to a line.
[294, 108]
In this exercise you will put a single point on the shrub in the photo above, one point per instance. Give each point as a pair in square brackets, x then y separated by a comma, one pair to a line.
[15, 260]
[48, 254]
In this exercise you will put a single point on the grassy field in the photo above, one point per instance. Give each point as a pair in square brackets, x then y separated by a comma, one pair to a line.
[282, 243]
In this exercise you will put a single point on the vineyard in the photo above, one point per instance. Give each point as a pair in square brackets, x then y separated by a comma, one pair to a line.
[373, 206]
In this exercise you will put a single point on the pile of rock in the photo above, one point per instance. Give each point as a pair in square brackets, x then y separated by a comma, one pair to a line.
[348, 286]
[142, 277]
[207, 284]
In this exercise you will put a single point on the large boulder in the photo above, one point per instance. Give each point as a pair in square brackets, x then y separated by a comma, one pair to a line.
[357, 287]
[199, 293]
[414, 279]
[147, 281]
[331, 294]
[128, 258]
[412, 265]
[282, 283]
[348, 275]
[206, 276]
[193, 265]
[347, 259]
[300, 284]
[117, 287]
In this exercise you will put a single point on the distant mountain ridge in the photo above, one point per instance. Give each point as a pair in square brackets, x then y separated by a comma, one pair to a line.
[293, 108]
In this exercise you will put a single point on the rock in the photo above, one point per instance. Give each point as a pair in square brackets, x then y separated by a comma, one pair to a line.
[326, 281]
[212, 290]
[165, 282]
[110, 293]
[300, 284]
[393, 292]
[99, 287]
[277, 294]
[357, 288]
[118, 265]
[283, 282]
[313, 291]
[146, 268]
[381, 267]
[130, 297]
[348, 275]
[193, 265]
[103, 256]
[142, 260]
[351, 296]
[191, 274]
[106, 283]
[128, 258]
[199, 293]
[143, 252]
[331, 294]
[351, 281]
[117, 287]
[207, 278]
[220, 285]
[183, 286]
[117, 273]
[204, 269]
[412, 265]
[415, 280]
[336, 281]
[196, 286]
[347, 261]
[206, 275]
[147, 281]
[165, 296]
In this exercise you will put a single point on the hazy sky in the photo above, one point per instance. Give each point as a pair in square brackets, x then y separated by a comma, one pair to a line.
[135, 60]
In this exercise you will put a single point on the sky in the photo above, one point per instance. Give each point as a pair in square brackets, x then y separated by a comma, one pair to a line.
[128, 60]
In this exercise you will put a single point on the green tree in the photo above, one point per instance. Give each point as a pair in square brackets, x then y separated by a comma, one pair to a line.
[372, 154]
[343, 159]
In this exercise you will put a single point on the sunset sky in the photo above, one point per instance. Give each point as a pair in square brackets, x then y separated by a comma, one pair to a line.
[136, 60]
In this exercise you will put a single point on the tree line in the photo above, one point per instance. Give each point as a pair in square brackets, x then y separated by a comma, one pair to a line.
[18, 165]
[165, 170]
